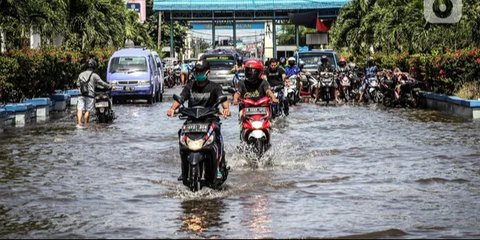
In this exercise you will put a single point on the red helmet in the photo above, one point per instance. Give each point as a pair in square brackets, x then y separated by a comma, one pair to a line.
[253, 70]
[342, 59]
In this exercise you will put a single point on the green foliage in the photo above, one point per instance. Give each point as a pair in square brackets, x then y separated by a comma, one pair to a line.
[400, 26]
[84, 24]
[447, 73]
[34, 73]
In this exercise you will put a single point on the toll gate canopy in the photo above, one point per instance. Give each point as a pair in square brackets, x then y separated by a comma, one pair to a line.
[245, 9]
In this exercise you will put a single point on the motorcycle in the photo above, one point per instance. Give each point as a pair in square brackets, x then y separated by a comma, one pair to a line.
[372, 91]
[278, 108]
[177, 71]
[170, 81]
[309, 86]
[326, 87]
[408, 93]
[293, 95]
[200, 149]
[345, 86]
[103, 106]
[255, 122]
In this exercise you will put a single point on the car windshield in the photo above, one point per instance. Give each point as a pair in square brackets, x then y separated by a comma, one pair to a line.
[128, 64]
[315, 59]
[220, 61]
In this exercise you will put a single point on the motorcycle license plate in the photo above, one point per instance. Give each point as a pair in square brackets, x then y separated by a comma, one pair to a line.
[195, 128]
[255, 111]
[101, 104]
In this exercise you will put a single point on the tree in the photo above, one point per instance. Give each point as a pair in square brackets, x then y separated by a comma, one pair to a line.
[400, 26]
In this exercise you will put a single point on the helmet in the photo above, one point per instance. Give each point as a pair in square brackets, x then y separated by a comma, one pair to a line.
[370, 59]
[239, 59]
[291, 59]
[324, 58]
[301, 63]
[253, 70]
[342, 59]
[201, 66]
[92, 64]
[283, 60]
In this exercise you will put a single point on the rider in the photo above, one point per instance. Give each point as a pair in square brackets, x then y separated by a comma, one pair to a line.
[205, 93]
[238, 68]
[292, 69]
[86, 102]
[185, 69]
[325, 66]
[253, 86]
[371, 71]
[283, 62]
[344, 69]
[276, 76]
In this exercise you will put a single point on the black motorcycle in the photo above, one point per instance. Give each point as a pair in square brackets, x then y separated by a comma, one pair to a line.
[279, 108]
[201, 150]
[103, 106]
[327, 87]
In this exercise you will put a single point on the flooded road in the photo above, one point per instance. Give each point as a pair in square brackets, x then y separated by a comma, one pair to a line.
[355, 171]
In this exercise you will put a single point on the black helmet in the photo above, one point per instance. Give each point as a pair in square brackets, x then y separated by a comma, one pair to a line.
[370, 60]
[201, 66]
[240, 60]
[324, 58]
[92, 64]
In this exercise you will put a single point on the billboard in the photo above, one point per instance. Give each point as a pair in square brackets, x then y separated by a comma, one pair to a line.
[138, 6]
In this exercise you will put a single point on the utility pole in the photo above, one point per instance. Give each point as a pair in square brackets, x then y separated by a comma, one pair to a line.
[159, 40]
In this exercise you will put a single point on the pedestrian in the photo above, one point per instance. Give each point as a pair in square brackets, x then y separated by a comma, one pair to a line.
[87, 81]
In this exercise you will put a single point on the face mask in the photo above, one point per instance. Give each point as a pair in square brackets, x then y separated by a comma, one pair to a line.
[291, 64]
[200, 77]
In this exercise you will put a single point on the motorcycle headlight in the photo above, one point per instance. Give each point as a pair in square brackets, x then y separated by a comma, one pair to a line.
[210, 139]
[195, 145]
[144, 82]
[257, 124]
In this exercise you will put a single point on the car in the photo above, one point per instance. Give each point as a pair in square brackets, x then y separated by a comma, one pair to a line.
[221, 64]
[136, 73]
[312, 58]
[158, 62]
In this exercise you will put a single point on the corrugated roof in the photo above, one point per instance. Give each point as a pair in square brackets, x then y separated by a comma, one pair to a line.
[244, 5]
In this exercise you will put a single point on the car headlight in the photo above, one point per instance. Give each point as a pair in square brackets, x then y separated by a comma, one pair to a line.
[257, 124]
[210, 139]
[144, 82]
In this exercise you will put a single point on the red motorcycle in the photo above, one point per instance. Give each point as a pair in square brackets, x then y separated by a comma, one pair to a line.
[255, 121]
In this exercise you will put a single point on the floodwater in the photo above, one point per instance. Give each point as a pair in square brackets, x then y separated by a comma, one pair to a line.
[341, 171]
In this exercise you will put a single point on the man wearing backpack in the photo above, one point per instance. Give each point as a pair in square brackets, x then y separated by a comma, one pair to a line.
[87, 80]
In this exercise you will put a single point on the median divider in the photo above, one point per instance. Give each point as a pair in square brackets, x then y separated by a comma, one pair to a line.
[42, 106]
[23, 113]
[451, 104]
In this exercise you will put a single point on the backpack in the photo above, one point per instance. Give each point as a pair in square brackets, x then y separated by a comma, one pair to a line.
[84, 86]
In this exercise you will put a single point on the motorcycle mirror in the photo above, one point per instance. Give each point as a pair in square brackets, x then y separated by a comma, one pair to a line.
[229, 90]
[177, 98]
[222, 99]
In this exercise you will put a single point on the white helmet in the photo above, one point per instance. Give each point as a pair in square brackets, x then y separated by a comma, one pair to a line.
[291, 59]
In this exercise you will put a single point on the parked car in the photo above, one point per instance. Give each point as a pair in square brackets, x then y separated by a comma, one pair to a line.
[221, 64]
[312, 58]
[137, 75]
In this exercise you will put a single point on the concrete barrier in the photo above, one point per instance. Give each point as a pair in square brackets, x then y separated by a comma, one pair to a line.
[24, 113]
[60, 101]
[452, 104]
[42, 106]
[74, 95]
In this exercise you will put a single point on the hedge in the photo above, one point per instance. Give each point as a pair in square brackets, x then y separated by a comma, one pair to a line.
[35, 73]
[446, 73]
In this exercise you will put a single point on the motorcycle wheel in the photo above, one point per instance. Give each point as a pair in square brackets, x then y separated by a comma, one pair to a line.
[195, 175]
[260, 148]
[387, 101]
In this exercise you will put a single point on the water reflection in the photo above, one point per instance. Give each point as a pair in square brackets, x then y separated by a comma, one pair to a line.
[257, 218]
[199, 216]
